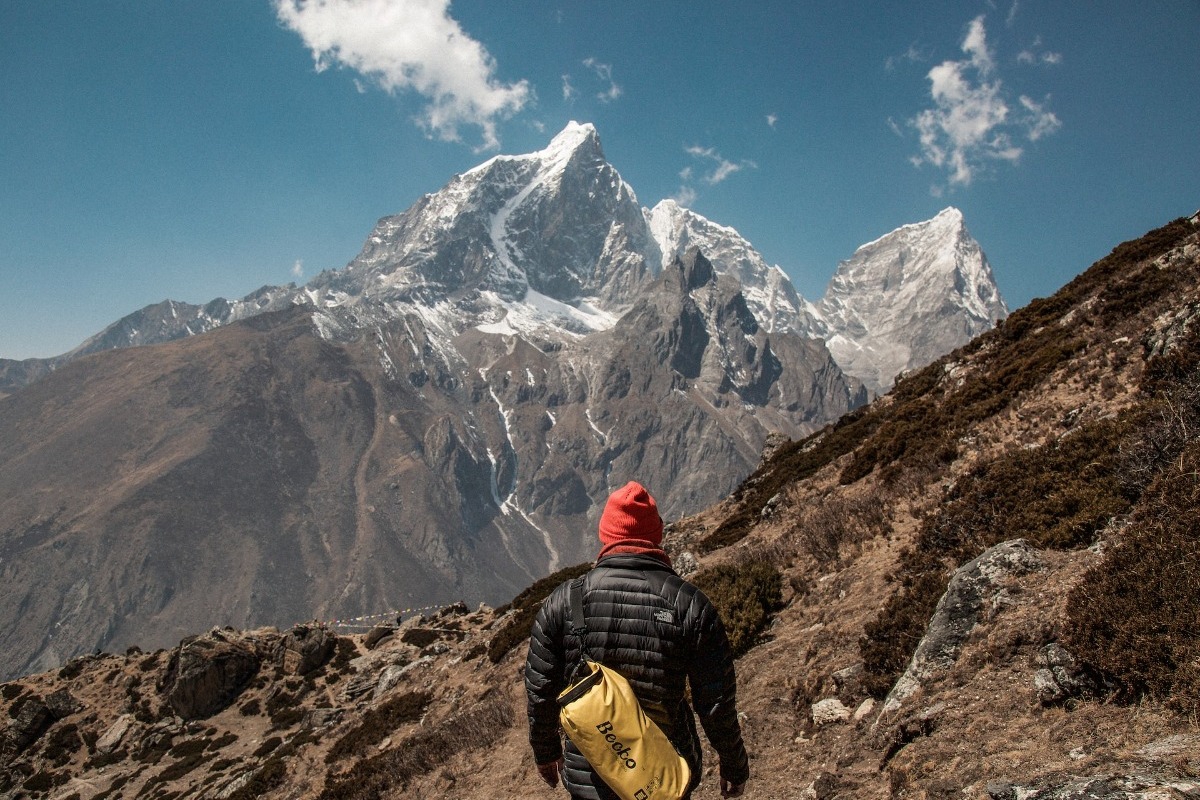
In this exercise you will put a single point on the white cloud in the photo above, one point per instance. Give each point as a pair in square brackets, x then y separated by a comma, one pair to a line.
[772, 119]
[715, 170]
[912, 55]
[298, 269]
[568, 90]
[1012, 14]
[723, 169]
[975, 45]
[1036, 55]
[1039, 121]
[686, 196]
[604, 73]
[971, 122]
[410, 45]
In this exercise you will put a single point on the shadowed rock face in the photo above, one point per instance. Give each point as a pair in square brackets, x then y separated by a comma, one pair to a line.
[205, 675]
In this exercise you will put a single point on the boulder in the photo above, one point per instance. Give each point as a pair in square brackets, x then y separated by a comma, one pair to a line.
[62, 704]
[113, 736]
[1061, 677]
[206, 674]
[864, 709]
[378, 635]
[32, 719]
[829, 711]
[306, 648]
[973, 588]
[1138, 786]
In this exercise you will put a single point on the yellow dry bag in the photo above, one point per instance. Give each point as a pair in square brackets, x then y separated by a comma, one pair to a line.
[602, 717]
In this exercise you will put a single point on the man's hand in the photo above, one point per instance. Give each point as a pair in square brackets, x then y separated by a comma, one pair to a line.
[549, 772]
[732, 789]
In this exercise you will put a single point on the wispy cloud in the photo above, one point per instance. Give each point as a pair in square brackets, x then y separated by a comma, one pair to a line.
[772, 119]
[411, 45]
[913, 55]
[604, 72]
[722, 168]
[1039, 121]
[568, 90]
[298, 269]
[1035, 54]
[686, 196]
[972, 122]
[710, 168]
[1012, 13]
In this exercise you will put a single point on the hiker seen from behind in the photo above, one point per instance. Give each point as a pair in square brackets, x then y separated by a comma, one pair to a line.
[656, 630]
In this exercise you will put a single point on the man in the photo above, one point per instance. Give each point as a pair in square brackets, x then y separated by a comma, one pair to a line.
[657, 630]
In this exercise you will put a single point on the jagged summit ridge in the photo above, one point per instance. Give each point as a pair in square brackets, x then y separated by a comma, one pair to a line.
[553, 244]
[768, 290]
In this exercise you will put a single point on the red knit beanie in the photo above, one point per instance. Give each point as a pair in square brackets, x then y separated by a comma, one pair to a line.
[631, 515]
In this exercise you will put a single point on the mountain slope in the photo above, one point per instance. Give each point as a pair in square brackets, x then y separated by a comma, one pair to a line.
[262, 473]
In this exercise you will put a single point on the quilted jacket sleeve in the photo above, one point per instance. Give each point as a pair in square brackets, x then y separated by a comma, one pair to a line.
[545, 679]
[714, 690]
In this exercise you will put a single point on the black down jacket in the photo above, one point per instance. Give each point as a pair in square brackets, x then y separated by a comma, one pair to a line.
[660, 641]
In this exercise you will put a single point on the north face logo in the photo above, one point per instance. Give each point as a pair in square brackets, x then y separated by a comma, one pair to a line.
[664, 616]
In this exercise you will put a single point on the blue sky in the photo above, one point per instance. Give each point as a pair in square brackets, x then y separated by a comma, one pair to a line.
[200, 148]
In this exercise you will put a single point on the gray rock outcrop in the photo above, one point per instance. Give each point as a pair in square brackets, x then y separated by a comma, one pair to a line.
[206, 674]
[305, 648]
[974, 586]
[1060, 677]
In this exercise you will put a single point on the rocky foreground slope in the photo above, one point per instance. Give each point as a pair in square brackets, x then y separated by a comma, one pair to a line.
[986, 584]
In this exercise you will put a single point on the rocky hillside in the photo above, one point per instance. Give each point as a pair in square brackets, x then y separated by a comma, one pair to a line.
[985, 584]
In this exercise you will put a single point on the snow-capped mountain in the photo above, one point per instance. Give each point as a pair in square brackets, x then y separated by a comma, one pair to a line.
[559, 223]
[442, 419]
[907, 298]
[555, 242]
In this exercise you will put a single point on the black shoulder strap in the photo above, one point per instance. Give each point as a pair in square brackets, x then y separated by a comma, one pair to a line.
[578, 626]
[578, 623]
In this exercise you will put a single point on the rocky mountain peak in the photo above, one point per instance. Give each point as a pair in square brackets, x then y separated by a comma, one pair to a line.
[697, 270]
[559, 222]
[767, 289]
[577, 142]
[933, 272]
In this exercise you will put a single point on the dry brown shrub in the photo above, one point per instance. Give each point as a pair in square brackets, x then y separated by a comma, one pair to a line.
[836, 521]
[379, 723]
[745, 595]
[1136, 616]
[526, 604]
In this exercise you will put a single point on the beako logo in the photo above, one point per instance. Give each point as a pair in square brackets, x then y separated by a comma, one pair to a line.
[620, 749]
